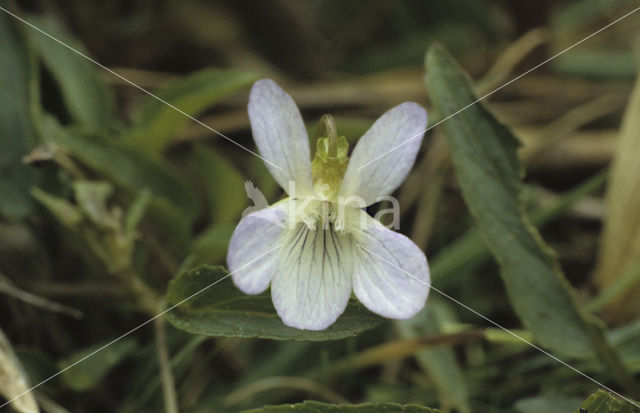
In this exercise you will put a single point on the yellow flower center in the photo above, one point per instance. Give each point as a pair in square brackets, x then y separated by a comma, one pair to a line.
[330, 161]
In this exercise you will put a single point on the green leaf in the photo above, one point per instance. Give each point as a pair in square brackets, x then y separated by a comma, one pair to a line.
[85, 96]
[548, 403]
[580, 15]
[626, 340]
[64, 211]
[136, 211]
[603, 402]
[220, 182]
[468, 252]
[489, 172]
[92, 198]
[17, 134]
[156, 122]
[88, 373]
[221, 310]
[600, 64]
[317, 407]
[125, 167]
[210, 247]
[164, 221]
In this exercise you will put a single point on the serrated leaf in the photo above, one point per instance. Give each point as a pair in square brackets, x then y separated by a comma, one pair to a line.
[85, 96]
[221, 310]
[489, 172]
[469, 251]
[156, 122]
[17, 134]
[88, 373]
[318, 407]
[603, 402]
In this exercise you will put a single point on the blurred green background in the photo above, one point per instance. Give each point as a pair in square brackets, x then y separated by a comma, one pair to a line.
[106, 194]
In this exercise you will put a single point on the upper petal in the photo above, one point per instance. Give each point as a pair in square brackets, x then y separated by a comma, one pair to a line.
[312, 284]
[253, 249]
[390, 274]
[280, 135]
[399, 132]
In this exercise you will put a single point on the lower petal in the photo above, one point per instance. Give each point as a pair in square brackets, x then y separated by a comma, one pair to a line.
[253, 249]
[312, 283]
[391, 276]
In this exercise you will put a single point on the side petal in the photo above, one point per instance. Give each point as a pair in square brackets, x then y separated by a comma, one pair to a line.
[250, 257]
[312, 284]
[390, 276]
[280, 135]
[399, 132]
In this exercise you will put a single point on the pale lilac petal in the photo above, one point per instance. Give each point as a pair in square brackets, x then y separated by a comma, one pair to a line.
[280, 136]
[390, 275]
[250, 257]
[312, 284]
[403, 125]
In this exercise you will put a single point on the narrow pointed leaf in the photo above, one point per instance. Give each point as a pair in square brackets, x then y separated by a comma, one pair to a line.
[489, 172]
[85, 96]
[219, 181]
[64, 211]
[13, 382]
[620, 242]
[88, 373]
[126, 167]
[156, 122]
[17, 134]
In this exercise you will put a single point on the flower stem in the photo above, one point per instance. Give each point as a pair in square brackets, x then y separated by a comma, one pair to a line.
[168, 386]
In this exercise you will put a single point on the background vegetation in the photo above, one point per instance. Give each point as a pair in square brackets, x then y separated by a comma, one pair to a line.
[107, 194]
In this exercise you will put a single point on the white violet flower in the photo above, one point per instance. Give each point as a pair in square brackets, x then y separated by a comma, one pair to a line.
[326, 245]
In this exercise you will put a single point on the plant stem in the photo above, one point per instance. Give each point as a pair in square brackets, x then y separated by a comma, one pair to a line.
[168, 386]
